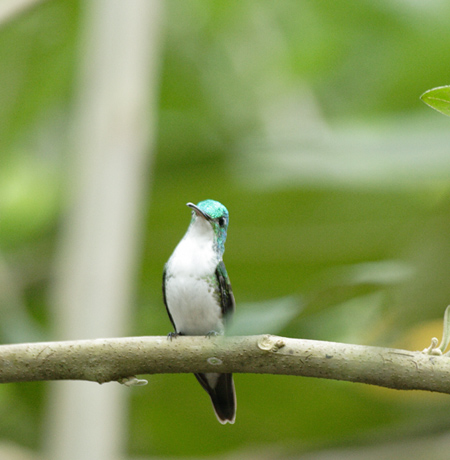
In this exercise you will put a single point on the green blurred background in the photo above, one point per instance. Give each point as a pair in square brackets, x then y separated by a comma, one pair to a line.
[304, 119]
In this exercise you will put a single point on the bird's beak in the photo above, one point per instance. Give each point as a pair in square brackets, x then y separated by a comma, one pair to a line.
[198, 211]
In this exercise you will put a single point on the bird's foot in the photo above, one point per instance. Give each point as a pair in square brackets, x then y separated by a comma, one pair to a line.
[213, 334]
[172, 335]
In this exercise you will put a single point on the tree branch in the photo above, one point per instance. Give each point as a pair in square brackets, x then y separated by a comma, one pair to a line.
[104, 360]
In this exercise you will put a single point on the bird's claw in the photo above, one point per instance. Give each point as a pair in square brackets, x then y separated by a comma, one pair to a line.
[213, 334]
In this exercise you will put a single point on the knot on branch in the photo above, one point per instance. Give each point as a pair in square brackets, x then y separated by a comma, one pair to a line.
[270, 343]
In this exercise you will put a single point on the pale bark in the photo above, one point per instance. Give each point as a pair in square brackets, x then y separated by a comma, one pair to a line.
[104, 360]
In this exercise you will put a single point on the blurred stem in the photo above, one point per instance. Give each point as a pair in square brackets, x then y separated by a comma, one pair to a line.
[9, 9]
[113, 131]
[104, 360]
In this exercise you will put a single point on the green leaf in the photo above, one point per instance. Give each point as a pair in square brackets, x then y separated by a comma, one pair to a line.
[270, 316]
[438, 99]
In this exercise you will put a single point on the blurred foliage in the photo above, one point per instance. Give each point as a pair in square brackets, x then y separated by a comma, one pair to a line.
[438, 98]
[304, 118]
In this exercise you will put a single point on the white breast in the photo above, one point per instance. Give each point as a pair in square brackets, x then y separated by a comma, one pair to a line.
[190, 276]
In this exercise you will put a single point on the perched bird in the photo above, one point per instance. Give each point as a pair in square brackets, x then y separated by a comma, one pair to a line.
[198, 296]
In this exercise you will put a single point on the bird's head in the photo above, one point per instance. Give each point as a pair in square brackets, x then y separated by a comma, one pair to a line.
[216, 215]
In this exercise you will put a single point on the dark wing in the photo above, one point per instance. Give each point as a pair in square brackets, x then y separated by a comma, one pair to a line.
[165, 299]
[226, 293]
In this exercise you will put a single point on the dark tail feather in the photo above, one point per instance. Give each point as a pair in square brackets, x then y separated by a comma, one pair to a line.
[220, 388]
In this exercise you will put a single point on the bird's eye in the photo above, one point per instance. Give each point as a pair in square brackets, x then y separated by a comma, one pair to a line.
[222, 221]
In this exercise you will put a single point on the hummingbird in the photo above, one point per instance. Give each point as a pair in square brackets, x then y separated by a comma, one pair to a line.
[198, 295]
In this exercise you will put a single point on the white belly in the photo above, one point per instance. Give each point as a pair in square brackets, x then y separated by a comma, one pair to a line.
[193, 305]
